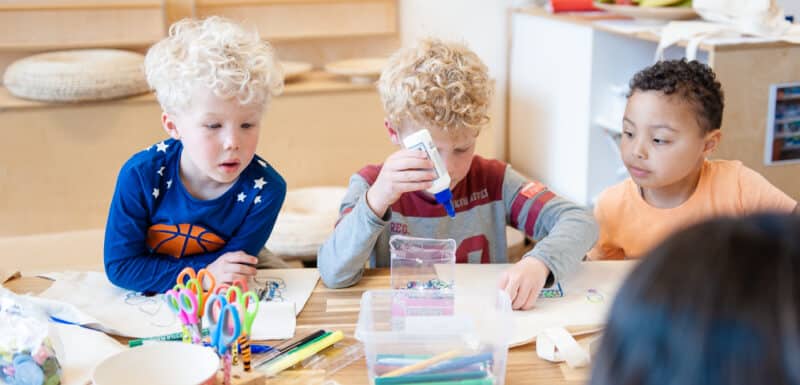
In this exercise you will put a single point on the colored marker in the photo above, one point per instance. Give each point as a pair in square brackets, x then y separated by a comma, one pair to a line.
[423, 364]
[426, 378]
[302, 352]
[287, 346]
[167, 337]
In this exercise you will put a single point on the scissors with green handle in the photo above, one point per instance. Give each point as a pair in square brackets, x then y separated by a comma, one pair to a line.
[247, 303]
[194, 281]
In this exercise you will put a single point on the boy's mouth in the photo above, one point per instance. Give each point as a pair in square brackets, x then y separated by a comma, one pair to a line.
[229, 166]
[638, 172]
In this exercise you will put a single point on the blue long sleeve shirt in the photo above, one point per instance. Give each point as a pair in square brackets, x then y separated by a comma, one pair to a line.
[155, 228]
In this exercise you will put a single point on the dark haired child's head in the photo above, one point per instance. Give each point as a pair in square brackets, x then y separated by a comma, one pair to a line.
[672, 123]
[718, 303]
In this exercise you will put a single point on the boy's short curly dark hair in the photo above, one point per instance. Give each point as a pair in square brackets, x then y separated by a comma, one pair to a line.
[693, 81]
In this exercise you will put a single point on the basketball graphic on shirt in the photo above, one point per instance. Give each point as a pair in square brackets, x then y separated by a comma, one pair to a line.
[182, 240]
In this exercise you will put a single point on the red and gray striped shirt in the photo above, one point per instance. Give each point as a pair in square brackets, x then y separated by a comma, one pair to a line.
[491, 196]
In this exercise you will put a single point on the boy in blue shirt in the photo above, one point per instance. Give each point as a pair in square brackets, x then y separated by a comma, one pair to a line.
[202, 198]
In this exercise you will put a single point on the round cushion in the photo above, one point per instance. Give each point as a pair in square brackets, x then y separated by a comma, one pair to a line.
[307, 218]
[77, 76]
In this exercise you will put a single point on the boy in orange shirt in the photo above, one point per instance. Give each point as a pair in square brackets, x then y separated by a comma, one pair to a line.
[672, 123]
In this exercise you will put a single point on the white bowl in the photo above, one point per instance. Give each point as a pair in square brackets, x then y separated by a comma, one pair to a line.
[167, 363]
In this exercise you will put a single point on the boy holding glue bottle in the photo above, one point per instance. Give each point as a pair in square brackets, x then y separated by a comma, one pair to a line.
[436, 96]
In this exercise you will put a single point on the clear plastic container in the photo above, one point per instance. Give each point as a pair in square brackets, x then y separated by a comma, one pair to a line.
[427, 340]
[422, 263]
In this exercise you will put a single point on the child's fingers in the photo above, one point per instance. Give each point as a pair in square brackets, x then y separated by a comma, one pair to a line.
[511, 288]
[401, 164]
[503, 281]
[531, 300]
[404, 187]
[413, 176]
[240, 257]
[523, 294]
[238, 268]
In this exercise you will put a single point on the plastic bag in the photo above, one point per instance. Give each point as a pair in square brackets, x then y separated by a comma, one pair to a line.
[422, 263]
[28, 344]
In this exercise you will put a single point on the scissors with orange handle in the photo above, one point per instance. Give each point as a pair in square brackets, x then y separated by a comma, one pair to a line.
[195, 281]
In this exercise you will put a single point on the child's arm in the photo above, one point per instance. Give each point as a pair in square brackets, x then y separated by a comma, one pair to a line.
[128, 262]
[563, 230]
[342, 257]
[605, 247]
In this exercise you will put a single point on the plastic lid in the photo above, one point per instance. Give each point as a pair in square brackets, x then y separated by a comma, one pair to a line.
[444, 197]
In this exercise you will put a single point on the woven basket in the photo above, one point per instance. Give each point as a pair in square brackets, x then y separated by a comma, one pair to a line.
[305, 221]
[77, 76]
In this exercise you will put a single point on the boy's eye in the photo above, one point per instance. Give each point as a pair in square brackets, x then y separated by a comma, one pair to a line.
[246, 125]
[628, 134]
[660, 141]
[213, 125]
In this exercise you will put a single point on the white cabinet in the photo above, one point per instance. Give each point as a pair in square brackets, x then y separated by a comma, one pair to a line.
[567, 82]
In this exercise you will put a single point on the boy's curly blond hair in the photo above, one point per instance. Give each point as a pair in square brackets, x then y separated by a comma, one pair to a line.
[436, 83]
[216, 53]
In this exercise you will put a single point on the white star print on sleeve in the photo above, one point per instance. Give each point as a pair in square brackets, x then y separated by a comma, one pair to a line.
[257, 200]
[240, 197]
[162, 147]
[169, 184]
[262, 163]
[260, 182]
[161, 171]
[155, 193]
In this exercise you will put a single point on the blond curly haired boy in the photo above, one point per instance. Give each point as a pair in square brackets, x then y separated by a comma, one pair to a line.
[445, 88]
[201, 198]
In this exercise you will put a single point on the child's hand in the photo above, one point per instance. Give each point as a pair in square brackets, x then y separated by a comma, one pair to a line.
[404, 171]
[232, 266]
[524, 281]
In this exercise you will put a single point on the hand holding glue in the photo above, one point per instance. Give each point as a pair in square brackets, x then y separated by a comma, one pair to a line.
[422, 141]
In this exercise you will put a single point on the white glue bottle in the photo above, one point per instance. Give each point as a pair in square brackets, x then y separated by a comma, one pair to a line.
[422, 141]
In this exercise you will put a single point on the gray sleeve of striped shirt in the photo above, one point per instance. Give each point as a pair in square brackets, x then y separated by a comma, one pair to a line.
[564, 231]
[342, 257]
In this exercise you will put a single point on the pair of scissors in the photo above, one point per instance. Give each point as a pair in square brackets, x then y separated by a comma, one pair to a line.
[195, 281]
[224, 329]
[247, 304]
[184, 304]
[223, 287]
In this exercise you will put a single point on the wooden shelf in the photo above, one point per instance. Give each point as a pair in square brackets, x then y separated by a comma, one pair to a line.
[316, 82]
[61, 24]
[304, 19]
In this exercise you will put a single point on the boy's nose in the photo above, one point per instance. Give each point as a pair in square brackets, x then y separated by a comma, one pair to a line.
[231, 140]
[639, 150]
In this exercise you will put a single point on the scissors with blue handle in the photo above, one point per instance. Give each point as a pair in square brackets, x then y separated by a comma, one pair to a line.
[184, 304]
[223, 325]
[224, 328]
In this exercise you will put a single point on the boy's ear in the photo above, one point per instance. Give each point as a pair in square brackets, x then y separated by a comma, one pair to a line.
[169, 126]
[394, 135]
[711, 142]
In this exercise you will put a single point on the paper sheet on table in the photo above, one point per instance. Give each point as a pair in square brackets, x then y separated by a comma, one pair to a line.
[294, 285]
[588, 294]
[83, 350]
[89, 299]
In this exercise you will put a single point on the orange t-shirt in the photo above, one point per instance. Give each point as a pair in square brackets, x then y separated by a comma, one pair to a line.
[630, 227]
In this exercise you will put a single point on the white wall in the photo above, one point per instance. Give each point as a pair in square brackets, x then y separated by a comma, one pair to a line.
[483, 26]
[791, 7]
